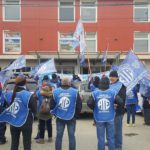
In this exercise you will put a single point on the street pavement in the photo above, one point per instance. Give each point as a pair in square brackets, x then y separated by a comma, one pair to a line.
[134, 138]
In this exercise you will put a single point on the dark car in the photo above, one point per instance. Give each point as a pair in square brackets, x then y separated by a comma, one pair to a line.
[31, 85]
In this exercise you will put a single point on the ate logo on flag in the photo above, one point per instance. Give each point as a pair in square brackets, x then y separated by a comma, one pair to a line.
[126, 74]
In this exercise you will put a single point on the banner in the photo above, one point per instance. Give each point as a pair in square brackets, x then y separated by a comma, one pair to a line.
[131, 71]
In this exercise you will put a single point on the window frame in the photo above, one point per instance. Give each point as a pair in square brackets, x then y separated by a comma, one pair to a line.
[147, 6]
[4, 52]
[89, 8]
[148, 51]
[3, 9]
[68, 7]
[86, 38]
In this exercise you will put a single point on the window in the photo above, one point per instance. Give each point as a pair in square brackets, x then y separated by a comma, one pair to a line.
[91, 41]
[66, 10]
[88, 11]
[141, 41]
[12, 42]
[11, 10]
[65, 40]
[141, 12]
[65, 70]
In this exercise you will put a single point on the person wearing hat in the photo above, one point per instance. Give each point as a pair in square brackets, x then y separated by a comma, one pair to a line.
[19, 114]
[102, 104]
[66, 105]
[45, 118]
[120, 89]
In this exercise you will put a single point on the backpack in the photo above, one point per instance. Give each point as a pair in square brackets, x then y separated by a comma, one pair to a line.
[44, 112]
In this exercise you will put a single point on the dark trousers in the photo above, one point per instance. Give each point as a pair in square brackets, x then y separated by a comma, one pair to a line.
[147, 116]
[26, 130]
[48, 125]
[131, 110]
[2, 131]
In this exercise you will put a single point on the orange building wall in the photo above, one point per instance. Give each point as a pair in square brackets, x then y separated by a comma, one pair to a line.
[39, 26]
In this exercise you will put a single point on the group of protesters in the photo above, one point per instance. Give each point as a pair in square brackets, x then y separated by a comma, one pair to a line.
[60, 98]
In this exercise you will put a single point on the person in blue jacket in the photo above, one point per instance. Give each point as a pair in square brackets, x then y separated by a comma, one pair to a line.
[131, 101]
[66, 105]
[102, 103]
[19, 114]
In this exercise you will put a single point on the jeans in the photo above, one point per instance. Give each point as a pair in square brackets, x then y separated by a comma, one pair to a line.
[48, 124]
[118, 132]
[26, 130]
[109, 126]
[147, 116]
[131, 109]
[60, 126]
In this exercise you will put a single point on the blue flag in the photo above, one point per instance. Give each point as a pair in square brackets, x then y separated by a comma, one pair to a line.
[17, 64]
[145, 87]
[114, 67]
[104, 57]
[5, 75]
[131, 71]
[47, 67]
[79, 40]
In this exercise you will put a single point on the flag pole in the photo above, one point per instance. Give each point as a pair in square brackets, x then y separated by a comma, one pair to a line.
[106, 56]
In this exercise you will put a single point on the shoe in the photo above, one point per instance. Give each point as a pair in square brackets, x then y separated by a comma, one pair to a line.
[37, 137]
[50, 139]
[128, 125]
[40, 141]
[133, 125]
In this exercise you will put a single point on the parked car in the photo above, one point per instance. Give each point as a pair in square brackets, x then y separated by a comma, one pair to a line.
[85, 94]
[31, 85]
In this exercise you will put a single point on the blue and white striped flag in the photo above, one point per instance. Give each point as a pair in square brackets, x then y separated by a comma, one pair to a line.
[131, 71]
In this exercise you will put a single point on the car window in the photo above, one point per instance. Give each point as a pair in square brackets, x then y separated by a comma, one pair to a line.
[32, 86]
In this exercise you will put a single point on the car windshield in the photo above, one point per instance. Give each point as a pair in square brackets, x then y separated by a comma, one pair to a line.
[10, 86]
[31, 86]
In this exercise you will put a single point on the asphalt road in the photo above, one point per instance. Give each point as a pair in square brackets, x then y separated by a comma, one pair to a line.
[134, 138]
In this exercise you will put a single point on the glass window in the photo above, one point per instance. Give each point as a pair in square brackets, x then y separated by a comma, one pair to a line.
[65, 40]
[88, 11]
[12, 42]
[66, 10]
[141, 42]
[141, 12]
[12, 10]
[91, 41]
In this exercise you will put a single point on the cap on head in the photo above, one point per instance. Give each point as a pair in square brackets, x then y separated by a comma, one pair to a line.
[20, 80]
[113, 74]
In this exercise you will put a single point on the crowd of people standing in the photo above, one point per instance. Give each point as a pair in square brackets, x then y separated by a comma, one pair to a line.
[61, 99]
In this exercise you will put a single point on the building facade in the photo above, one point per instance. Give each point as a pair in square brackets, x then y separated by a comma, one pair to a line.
[39, 30]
